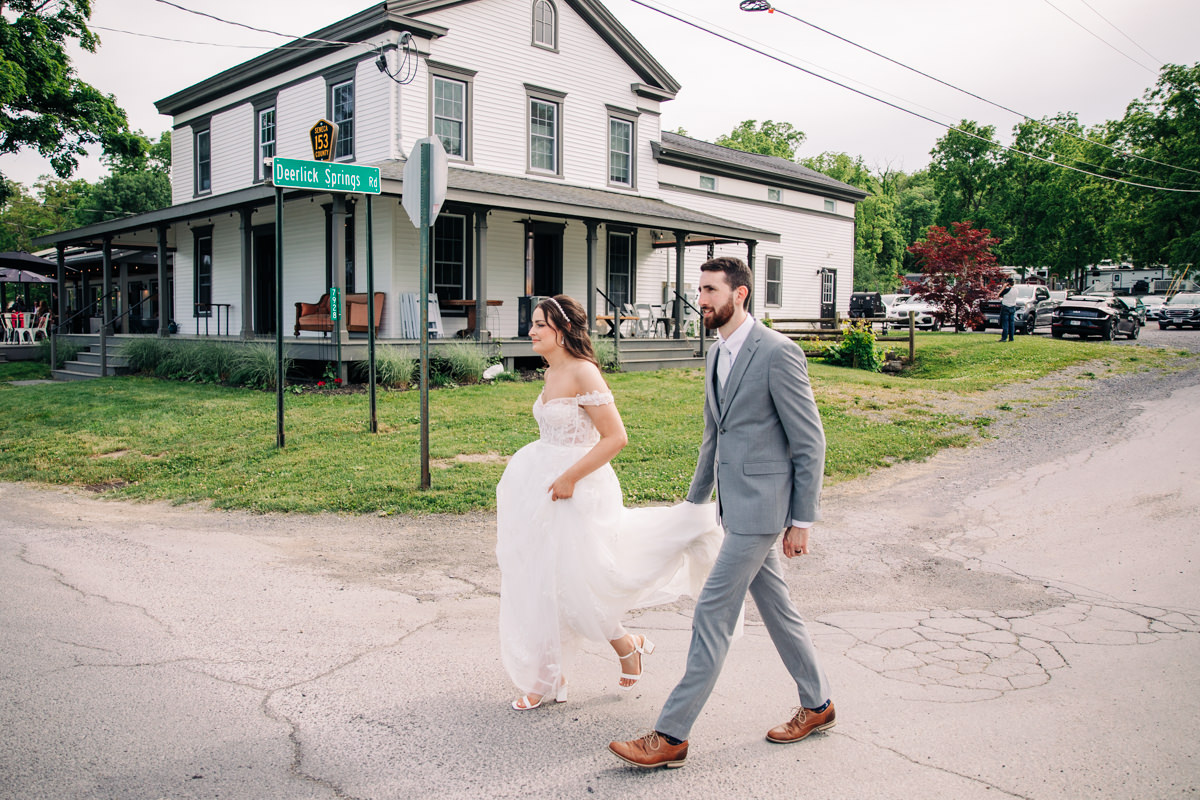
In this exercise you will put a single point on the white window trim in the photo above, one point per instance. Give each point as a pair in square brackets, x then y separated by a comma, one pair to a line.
[556, 99]
[630, 119]
[712, 178]
[333, 82]
[197, 131]
[533, 25]
[774, 195]
[466, 77]
[767, 282]
[259, 169]
[830, 206]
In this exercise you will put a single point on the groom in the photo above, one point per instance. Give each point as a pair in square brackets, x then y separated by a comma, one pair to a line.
[764, 452]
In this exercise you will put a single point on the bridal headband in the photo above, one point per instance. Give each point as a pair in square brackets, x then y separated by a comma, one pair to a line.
[560, 309]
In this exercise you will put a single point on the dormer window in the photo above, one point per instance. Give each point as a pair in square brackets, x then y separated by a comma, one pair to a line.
[545, 25]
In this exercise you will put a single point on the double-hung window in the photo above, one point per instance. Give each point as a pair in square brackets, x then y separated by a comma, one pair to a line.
[450, 257]
[774, 281]
[202, 144]
[621, 139]
[341, 113]
[450, 108]
[545, 130]
[264, 138]
[202, 274]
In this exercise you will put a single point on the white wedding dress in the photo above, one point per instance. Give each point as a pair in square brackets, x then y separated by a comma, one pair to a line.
[573, 567]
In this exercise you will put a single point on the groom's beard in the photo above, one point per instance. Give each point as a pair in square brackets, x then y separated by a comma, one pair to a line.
[716, 317]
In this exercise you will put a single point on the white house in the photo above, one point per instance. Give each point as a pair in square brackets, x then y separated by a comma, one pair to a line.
[560, 179]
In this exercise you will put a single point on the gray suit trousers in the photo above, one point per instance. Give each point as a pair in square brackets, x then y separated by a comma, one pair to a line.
[746, 562]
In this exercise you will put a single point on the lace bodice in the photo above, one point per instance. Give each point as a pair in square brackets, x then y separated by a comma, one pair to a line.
[564, 422]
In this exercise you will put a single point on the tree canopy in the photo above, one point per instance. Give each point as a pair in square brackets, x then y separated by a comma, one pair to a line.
[43, 104]
[768, 139]
[958, 270]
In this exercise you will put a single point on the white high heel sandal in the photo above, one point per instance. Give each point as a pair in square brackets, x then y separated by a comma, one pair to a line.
[523, 703]
[645, 648]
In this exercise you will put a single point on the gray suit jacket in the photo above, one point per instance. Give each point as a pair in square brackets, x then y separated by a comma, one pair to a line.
[763, 447]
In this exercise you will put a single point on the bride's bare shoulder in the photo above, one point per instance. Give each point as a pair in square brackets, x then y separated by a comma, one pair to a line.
[587, 378]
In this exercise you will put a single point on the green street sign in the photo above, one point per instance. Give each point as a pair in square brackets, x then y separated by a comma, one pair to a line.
[335, 304]
[319, 176]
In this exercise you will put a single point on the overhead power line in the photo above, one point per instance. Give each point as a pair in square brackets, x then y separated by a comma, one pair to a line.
[908, 111]
[1112, 25]
[763, 5]
[1100, 38]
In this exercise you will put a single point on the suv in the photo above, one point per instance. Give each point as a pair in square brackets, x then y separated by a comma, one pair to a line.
[1182, 309]
[1034, 309]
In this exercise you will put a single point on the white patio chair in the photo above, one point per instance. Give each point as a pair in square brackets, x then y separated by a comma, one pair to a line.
[39, 329]
[644, 326]
[7, 323]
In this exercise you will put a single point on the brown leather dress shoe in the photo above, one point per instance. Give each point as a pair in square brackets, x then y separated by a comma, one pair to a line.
[650, 751]
[801, 725]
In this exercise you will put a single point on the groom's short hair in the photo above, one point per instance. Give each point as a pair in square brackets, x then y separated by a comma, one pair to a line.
[736, 272]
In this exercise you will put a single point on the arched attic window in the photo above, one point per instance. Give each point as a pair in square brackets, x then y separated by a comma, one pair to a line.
[545, 24]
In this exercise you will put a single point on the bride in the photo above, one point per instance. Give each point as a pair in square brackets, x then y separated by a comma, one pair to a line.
[572, 559]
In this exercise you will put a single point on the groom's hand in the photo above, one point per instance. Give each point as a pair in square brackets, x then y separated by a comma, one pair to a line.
[795, 541]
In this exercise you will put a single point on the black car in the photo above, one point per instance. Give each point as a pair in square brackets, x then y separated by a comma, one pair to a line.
[1088, 315]
[1034, 309]
[1182, 309]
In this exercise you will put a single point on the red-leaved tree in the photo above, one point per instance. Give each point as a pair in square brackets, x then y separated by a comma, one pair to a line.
[958, 271]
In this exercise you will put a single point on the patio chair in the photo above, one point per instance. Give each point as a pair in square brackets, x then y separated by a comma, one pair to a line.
[39, 329]
[644, 326]
[8, 330]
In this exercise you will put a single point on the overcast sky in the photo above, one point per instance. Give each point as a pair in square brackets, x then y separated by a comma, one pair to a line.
[1037, 57]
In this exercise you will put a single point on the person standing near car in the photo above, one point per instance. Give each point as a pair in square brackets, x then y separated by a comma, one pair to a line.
[1008, 310]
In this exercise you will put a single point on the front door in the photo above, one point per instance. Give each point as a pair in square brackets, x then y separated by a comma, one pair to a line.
[828, 295]
[265, 318]
[546, 252]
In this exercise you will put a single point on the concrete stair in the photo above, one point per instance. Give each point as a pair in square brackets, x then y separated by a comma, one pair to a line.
[643, 355]
[87, 365]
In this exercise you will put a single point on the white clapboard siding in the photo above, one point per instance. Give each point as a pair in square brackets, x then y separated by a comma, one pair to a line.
[182, 166]
[492, 37]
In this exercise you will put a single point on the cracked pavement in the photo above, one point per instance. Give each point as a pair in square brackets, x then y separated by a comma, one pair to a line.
[1015, 620]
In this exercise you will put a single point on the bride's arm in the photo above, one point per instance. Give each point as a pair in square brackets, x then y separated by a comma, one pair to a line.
[612, 440]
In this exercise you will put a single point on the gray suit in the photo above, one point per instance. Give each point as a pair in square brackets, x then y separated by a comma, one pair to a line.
[764, 452]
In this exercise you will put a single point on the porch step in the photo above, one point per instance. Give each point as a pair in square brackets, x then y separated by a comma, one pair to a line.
[87, 366]
[644, 355]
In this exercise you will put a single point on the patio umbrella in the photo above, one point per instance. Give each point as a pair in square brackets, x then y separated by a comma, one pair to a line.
[15, 275]
[27, 262]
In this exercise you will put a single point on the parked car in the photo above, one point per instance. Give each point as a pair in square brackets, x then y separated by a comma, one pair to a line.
[890, 300]
[1182, 309]
[1034, 309]
[1135, 303]
[1153, 304]
[925, 319]
[1058, 296]
[866, 305]
[1090, 315]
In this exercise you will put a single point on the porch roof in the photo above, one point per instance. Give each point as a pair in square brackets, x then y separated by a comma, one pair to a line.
[471, 187]
[557, 199]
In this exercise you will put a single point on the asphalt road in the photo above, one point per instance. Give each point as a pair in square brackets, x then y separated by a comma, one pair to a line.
[1015, 620]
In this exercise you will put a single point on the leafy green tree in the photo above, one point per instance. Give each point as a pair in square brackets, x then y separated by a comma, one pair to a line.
[769, 139]
[24, 215]
[917, 208]
[1051, 216]
[43, 104]
[1161, 226]
[137, 184]
[963, 171]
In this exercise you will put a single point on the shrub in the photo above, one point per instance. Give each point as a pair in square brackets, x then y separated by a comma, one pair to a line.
[392, 368]
[257, 365]
[145, 354]
[857, 348]
[460, 363]
[606, 354]
[198, 362]
[65, 351]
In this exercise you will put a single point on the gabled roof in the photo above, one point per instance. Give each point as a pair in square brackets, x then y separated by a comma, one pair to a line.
[399, 16]
[684, 151]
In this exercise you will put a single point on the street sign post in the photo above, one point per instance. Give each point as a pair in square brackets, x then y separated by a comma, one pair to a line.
[425, 177]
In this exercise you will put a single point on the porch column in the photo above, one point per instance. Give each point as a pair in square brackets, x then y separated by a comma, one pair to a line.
[337, 246]
[750, 245]
[105, 302]
[60, 272]
[166, 309]
[592, 225]
[481, 288]
[247, 232]
[680, 250]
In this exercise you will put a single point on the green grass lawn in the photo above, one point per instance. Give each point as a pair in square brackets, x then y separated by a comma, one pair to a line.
[144, 438]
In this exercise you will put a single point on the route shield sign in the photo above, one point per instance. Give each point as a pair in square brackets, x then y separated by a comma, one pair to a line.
[324, 139]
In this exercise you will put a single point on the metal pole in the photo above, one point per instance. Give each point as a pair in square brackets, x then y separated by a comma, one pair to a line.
[371, 319]
[279, 376]
[106, 261]
[591, 276]
[60, 272]
[425, 255]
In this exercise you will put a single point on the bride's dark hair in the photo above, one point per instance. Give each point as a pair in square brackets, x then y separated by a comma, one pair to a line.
[567, 317]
